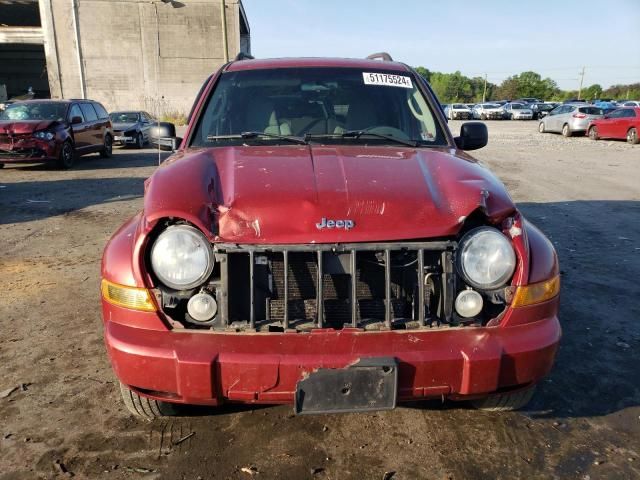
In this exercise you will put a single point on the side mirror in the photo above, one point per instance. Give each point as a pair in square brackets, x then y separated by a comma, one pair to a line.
[606, 115]
[175, 143]
[76, 120]
[473, 135]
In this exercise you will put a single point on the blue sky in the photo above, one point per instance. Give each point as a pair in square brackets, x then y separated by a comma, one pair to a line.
[501, 37]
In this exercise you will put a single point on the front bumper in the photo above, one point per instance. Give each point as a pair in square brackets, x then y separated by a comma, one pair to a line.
[124, 138]
[210, 368]
[522, 116]
[29, 152]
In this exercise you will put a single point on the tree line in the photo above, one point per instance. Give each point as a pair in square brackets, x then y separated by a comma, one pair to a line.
[455, 87]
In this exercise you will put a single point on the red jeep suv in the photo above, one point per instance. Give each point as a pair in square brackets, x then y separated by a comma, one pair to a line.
[57, 131]
[322, 239]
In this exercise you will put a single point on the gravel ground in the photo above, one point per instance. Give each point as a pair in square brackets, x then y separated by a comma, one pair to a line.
[66, 415]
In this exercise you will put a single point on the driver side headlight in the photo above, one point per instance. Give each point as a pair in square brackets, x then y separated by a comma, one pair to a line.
[44, 135]
[181, 257]
[486, 259]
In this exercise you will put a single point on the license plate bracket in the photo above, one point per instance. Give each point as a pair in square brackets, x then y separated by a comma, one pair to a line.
[371, 384]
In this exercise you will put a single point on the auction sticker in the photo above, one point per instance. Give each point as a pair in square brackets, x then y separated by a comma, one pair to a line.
[387, 80]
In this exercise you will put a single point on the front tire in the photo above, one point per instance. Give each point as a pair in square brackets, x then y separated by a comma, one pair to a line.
[566, 131]
[632, 136]
[505, 402]
[593, 133]
[483, 116]
[139, 141]
[541, 127]
[107, 149]
[144, 407]
[66, 157]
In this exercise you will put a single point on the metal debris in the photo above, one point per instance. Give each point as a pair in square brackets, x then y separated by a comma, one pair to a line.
[186, 437]
[250, 470]
[7, 392]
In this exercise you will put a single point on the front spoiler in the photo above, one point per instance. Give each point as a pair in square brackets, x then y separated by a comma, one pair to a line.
[210, 368]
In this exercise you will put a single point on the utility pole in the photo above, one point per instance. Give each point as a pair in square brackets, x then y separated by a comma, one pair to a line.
[484, 92]
[223, 15]
[581, 79]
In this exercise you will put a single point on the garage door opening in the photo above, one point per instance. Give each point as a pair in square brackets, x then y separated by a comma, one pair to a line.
[22, 54]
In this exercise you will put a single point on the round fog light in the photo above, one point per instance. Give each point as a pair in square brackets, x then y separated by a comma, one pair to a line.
[202, 307]
[468, 303]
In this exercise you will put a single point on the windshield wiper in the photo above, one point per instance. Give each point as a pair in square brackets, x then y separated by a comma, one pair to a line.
[360, 133]
[249, 135]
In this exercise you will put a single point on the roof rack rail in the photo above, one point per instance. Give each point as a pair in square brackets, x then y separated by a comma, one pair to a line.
[384, 56]
[244, 56]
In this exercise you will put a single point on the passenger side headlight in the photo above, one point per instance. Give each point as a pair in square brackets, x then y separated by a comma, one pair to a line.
[486, 259]
[181, 257]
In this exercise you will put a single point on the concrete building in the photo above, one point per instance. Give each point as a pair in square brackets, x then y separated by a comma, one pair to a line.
[134, 54]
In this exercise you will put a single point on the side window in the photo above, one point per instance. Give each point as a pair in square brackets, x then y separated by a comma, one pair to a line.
[616, 114]
[75, 112]
[102, 113]
[632, 113]
[89, 113]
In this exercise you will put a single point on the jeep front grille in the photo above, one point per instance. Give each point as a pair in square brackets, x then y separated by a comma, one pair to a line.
[301, 287]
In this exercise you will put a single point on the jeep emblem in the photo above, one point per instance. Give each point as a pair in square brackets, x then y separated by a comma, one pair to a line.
[328, 223]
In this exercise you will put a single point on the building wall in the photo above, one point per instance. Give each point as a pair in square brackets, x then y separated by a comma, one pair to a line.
[137, 54]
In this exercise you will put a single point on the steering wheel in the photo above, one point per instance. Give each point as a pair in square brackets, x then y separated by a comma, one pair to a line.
[389, 131]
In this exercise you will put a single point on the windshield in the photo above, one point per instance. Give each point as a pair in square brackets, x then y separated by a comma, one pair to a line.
[35, 111]
[323, 104]
[491, 105]
[124, 117]
[517, 106]
[459, 106]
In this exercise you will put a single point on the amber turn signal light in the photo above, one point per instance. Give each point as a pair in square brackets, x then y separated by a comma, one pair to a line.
[536, 293]
[127, 297]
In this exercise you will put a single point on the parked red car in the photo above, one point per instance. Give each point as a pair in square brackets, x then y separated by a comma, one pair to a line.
[621, 124]
[321, 239]
[54, 131]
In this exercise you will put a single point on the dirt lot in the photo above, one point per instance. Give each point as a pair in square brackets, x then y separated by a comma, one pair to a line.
[66, 415]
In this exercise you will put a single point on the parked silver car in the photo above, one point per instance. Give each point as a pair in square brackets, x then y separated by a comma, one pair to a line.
[457, 111]
[488, 111]
[569, 119]
[518, 111]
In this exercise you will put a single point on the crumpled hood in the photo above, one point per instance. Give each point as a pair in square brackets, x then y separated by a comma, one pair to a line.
[124, 126]
[262, 194]
[17, 127]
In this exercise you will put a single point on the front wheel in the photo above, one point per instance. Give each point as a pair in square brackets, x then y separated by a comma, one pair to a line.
[107, 148]
[504, 402]
[541, 128]
[632, 136]
[593, 133]
[483, 117]
[139, 141]
[66, 156]
[566, 131]
[144, 407]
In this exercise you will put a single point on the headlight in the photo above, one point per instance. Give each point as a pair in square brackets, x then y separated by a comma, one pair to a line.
[44, 135]
[486, 259]
[181, 257]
